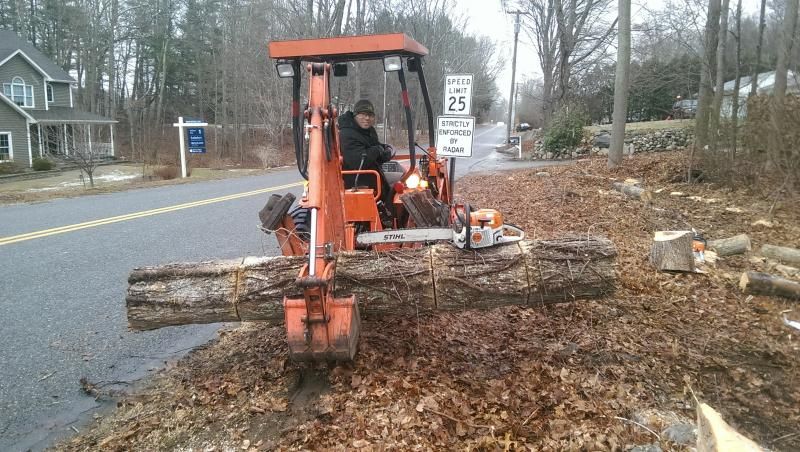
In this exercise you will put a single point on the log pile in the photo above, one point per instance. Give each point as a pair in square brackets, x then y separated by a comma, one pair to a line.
[406, 281]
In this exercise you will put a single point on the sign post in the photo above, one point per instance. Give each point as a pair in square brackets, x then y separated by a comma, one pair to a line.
[195, 144]
[454, 129]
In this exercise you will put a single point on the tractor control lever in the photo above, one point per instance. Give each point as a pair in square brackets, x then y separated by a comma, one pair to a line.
[360, 167]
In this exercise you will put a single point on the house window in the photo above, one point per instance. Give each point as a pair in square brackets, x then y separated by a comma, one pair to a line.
[19, 93]
[5, 146]
[50, 96]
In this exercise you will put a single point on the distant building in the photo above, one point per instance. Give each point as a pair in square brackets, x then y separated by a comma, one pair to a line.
[764, 85]
[37, 111]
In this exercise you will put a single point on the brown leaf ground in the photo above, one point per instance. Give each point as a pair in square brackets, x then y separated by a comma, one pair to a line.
[590, 375]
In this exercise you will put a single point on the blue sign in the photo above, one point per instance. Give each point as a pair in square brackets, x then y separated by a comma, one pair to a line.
[197, 140]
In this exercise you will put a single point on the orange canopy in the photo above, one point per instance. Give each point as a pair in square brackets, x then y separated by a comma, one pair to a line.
[347, 48]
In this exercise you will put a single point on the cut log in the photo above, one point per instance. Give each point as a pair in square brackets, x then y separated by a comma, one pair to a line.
[633, 191]
[782, 253]
[407, 281]
[715, 435]
[765, 284]
[738, 244]
[672, 251]
[787, 270]
[426, 210]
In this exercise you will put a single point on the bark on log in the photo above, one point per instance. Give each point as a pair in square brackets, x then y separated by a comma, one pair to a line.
[672, 251]
[737, 244]
[765, 284]
[782, 253]
[407, 281]
[633, 191]
[715, 435]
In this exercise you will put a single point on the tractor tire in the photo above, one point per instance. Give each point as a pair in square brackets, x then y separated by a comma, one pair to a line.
[302, 222]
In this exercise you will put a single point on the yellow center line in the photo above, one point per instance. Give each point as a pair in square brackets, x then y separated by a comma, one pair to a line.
[131, 216]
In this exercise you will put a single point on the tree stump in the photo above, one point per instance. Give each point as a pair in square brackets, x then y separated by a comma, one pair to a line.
[672, 251]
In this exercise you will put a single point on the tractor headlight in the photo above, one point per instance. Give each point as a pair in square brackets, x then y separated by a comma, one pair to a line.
[392, 63]
[412, 181]
[285, 69]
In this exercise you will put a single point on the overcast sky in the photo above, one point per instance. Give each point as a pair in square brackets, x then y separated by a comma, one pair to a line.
[487, 17]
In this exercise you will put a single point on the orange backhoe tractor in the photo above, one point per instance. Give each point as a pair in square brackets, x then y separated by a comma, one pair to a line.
[330, 218]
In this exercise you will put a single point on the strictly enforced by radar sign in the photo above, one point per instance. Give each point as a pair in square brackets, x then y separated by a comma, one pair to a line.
[454, 136]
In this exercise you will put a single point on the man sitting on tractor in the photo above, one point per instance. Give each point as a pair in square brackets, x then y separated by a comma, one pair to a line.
[361, 149]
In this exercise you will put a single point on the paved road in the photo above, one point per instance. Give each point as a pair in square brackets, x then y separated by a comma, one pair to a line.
[61, 296]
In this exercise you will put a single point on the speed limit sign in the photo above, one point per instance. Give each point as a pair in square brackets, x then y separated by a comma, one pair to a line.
[458, 94]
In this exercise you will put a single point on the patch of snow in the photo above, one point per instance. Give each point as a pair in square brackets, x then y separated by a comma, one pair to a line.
[113, 176]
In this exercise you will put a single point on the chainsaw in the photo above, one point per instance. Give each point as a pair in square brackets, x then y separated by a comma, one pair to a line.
[485, 228]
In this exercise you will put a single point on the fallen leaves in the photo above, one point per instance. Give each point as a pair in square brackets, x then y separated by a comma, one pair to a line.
[547, 378]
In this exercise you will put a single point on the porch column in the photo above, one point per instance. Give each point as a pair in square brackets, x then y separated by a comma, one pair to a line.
[41, 146]
[66, 143]
[111, 129]
[89, 135]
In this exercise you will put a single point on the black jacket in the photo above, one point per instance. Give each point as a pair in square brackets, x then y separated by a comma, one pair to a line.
[356, 143]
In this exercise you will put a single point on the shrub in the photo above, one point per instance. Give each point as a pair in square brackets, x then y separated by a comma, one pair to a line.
[42, 164]
[166, 172]
[9, 168]
[566, 129]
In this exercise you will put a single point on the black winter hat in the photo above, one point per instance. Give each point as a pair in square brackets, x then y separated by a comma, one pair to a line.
[363, 106]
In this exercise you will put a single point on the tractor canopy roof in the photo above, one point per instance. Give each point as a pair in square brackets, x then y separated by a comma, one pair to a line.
[347, 48]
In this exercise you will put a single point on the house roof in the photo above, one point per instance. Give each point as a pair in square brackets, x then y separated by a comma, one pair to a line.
[11, 44]
[16, 107]
[764, 85]
[67, 115]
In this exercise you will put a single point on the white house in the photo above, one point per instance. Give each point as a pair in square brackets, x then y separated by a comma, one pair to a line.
[764, 85]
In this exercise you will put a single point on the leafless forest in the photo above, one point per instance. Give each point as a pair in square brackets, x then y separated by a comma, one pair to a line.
[145, 62]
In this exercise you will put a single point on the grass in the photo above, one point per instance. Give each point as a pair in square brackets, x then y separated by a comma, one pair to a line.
[646, 125]
[108, 179]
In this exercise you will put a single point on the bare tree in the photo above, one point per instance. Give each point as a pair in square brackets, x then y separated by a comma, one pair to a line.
[569, 35]
[737, 84]
[762, 23]
[785, 158]
[85, 156]
[706, 89]
[719, 85]
[621, 84]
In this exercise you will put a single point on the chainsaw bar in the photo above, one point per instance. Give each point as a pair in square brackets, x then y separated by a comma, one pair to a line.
[405, 236]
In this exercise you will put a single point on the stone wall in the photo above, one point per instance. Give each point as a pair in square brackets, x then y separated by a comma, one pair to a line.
[638, 140]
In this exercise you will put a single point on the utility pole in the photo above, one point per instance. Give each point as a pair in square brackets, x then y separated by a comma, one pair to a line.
[513, 74]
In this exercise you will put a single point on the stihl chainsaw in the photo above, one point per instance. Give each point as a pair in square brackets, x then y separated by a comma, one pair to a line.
[485, 228]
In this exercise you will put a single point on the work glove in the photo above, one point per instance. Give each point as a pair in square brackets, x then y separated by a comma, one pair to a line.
[387, 153]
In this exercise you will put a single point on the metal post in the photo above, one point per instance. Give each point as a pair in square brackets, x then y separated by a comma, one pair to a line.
[384, 107]
[513, 76]
[183, 147]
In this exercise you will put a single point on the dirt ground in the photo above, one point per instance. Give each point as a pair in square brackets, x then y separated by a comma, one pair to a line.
[607, 374]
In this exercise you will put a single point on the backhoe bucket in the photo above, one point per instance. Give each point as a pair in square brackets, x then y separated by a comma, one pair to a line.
[322, 333]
